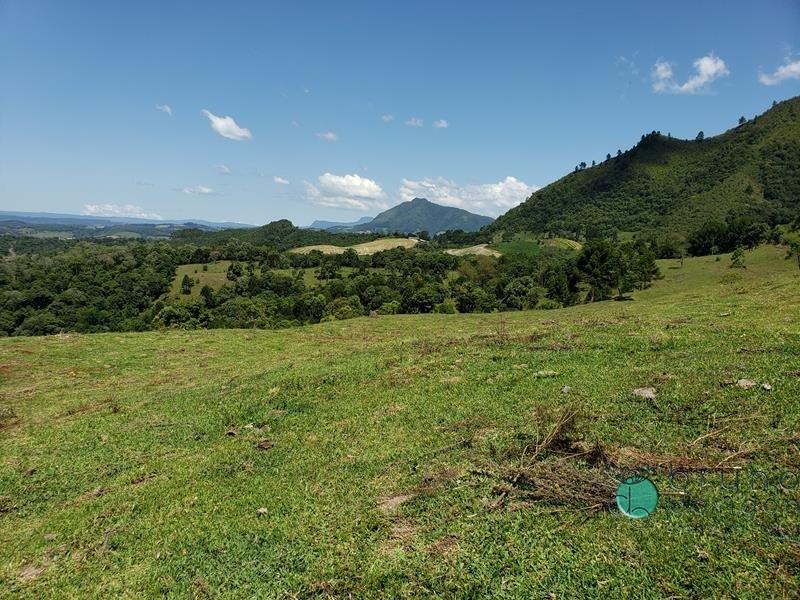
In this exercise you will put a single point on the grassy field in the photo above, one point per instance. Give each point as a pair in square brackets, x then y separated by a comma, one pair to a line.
[480, 249]
[416, 456]
[362, 249]
[531, 245]
[215, 277]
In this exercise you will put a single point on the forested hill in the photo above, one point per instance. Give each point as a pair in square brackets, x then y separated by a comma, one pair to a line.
[420, 214]
[667, 184]
[277, 234]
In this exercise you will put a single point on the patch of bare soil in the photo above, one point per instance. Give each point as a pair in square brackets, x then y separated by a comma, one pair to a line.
[389, 504]
[444, 546]
[401, 532]
[30, 573]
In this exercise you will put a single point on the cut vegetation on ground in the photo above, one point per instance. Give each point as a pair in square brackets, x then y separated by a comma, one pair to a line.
[415, 456]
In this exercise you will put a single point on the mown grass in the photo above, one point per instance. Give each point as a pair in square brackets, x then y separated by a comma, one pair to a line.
[131, 462]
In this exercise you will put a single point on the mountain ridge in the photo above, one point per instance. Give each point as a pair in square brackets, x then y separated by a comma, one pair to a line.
[665, 184]
[324, 225]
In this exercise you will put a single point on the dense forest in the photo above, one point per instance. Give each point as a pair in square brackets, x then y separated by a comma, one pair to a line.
[124, 286]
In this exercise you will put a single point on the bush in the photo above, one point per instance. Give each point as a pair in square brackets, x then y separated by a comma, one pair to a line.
[389, 308]
[346, 307]
[446, 306]
[547, 304]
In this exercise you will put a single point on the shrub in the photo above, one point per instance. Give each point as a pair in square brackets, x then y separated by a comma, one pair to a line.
[446, 306]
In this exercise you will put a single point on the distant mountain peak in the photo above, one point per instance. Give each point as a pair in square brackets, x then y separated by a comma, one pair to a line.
[420, 214]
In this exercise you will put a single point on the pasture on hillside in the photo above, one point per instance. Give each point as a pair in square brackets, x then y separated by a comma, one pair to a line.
[413, 456]
[362, 249]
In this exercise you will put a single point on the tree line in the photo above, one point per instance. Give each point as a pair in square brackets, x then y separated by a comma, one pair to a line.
[96, 287]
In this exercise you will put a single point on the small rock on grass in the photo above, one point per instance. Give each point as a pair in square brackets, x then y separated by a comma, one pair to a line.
[746, 384]
[262, 511]
[647, 393]
[766, 387]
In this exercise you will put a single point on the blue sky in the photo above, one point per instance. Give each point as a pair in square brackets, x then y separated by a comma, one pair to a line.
[340, 109]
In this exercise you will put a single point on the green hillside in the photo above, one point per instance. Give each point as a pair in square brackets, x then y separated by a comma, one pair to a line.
[422, 215]
[280, 235]
[667, 184]
[415, 455]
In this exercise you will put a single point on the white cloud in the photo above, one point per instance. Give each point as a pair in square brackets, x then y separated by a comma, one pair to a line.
[488, 198]
[118, 210]
[166, 108]
[227, 127]
[223, 169]
[709, 68]
[350, 185]
[441, 124]
[198, 190]
[328, 136]
[280, 180]
[415, 122]
[346, 191]
[387, 118]
[788, 70]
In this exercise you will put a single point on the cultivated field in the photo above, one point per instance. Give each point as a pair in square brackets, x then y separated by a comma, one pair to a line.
[362, 249]
[416, 456]
[480, 249]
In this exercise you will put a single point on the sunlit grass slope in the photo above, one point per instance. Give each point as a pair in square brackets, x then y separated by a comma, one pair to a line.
[371, 458]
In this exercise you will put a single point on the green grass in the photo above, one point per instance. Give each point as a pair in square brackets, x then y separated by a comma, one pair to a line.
[118, 476]
[215, 277]
[526, 247]
[530, 244]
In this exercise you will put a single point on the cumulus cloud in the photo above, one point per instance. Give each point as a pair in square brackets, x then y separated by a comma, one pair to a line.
[165, 108]
[224, 169]
[489, 198]
[346, 191]
[118, 210]
[708, 69]
[280, 180]
[387, 118]
[788, 70]
[328, 136]
[441, 124]
[415, 122]
[198, 190]
[227, 127]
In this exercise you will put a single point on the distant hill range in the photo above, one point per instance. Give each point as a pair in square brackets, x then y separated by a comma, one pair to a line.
[66, 226]
[334, 225]
[422, 215]
[67, 219]
[672, 185]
